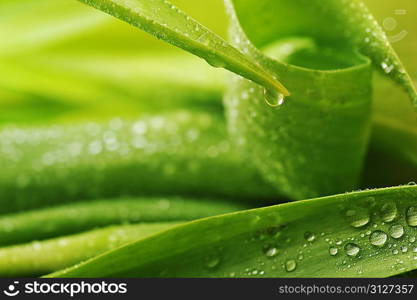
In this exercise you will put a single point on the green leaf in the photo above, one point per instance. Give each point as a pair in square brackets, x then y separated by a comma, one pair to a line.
[39, 258]
[361, 234]
[179, 153]
[72, 218]
[165, 21]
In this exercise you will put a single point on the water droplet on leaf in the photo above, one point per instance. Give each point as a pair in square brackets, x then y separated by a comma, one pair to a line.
[388, 212]
[333, 251]
[352, 249]
[357, 218]
[309, 236]
[378, 238]
[271, 251]
[411, 216]
[290, 265]
[396, 231]
[212, 262]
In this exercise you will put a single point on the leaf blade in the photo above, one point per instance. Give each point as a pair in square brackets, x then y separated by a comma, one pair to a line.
[166, 22]
[234, 244]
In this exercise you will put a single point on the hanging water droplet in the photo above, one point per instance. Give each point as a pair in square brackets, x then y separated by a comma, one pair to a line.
[273, 98]
[290, 265]
[378, 238]
[396, 231]
[309, 236]
[388, 212]
[357, 218]
[411, 216]
[333, 251]
[352, 249]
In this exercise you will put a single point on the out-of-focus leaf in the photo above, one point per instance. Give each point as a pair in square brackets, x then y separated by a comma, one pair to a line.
[177, 154]
[69, 88]
[38, 258]
[22, 29]
[72, 218]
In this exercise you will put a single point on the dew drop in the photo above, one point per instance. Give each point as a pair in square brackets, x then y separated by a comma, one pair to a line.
[273, 98]
[212, 262]
[388, 212]
[387, 68]
[333, 251]
[378, 238]
[271, 251]
[352, 249]
[396, 231]
[411, 183]
[309, 236]
[357, 218]
[36, 246]
[290, 265]
[411, 216]
[215, 62]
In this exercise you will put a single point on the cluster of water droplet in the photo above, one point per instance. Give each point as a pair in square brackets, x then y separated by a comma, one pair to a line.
[386, 234]
[378, 230]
